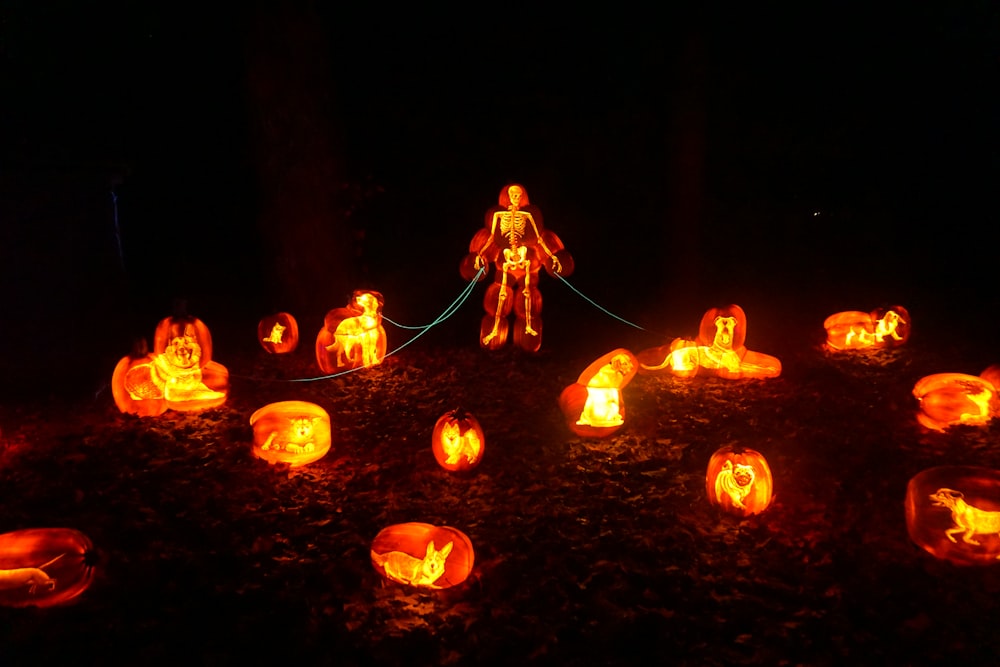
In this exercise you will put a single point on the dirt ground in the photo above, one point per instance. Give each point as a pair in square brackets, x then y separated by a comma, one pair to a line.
[587, 551]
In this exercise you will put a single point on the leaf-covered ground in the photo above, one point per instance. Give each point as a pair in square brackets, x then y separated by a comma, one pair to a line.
[588, 551]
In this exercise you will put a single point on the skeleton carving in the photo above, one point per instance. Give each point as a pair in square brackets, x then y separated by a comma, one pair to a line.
[515, 241]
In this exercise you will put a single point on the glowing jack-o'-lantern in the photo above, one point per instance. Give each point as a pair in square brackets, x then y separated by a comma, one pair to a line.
[458, 442]
[352, 337]
[42, 567]
[719, 351]
[291, 432]
[178, 375]
[518, 245]
[593, 406]
[739, 481]
[953, 512]
[947, 399]
[423, 555]
[855, 330]
[278, 333]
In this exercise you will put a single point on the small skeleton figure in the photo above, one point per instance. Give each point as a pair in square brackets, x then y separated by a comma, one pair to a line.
[515, 241]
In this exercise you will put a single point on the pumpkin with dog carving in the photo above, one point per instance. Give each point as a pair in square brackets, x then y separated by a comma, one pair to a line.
[43, 567]
[719, 350]
[739, 481]
[953, 513]
[422, 555]
[352, 337]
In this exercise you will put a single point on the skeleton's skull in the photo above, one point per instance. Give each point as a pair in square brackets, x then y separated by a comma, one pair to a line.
[514, 192]
[725, 331]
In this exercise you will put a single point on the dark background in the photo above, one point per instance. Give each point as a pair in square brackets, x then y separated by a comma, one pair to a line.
[277, 156]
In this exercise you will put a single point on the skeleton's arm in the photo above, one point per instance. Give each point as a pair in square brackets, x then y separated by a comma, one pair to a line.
[556, 264]
[480, 261]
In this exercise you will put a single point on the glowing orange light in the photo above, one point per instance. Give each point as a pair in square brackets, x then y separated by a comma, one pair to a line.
[953, 512]
[458, 442]
[278, 333]
[594, 406]
[718, 350]
[947, 399]
[739, 481]
[855, 330]
[178, 375]
[292, 432]
[42, 567]
[352, 337]
[423, 555]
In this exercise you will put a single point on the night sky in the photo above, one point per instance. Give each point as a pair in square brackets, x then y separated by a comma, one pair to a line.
[684, 157]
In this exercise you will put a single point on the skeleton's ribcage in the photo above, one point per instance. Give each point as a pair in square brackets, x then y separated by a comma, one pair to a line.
[512, 225]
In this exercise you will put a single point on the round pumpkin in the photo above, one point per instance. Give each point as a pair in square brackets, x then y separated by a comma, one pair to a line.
[422, 555]
[278, 333]
[43, 567]
[946, 399]
[738, 481]
[458, 441]
[292, 432]
[594, 406]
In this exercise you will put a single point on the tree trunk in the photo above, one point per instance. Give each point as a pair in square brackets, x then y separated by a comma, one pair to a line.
[306, 238]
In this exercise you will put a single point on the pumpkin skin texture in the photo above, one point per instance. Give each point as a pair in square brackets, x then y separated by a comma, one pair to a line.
[278, 333]
[295, 433]
[947, 399]
[44, 567]
[953, 513]
[142, 407]
[594, 406]
[458, 442]
[422, 555]
[739, 482]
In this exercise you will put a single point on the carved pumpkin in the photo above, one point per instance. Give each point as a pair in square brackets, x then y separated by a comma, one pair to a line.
[739, 481]
[458, 442]
[953, 512]
[719, 351]
[42, 567]
[175, 376]
[352, 337]
[594, 406]
[855, 330]
[129, 396]
[423, 555]
[278, 333]
[186, 326]
[292, 432]
[515, 241]
[946, 399]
